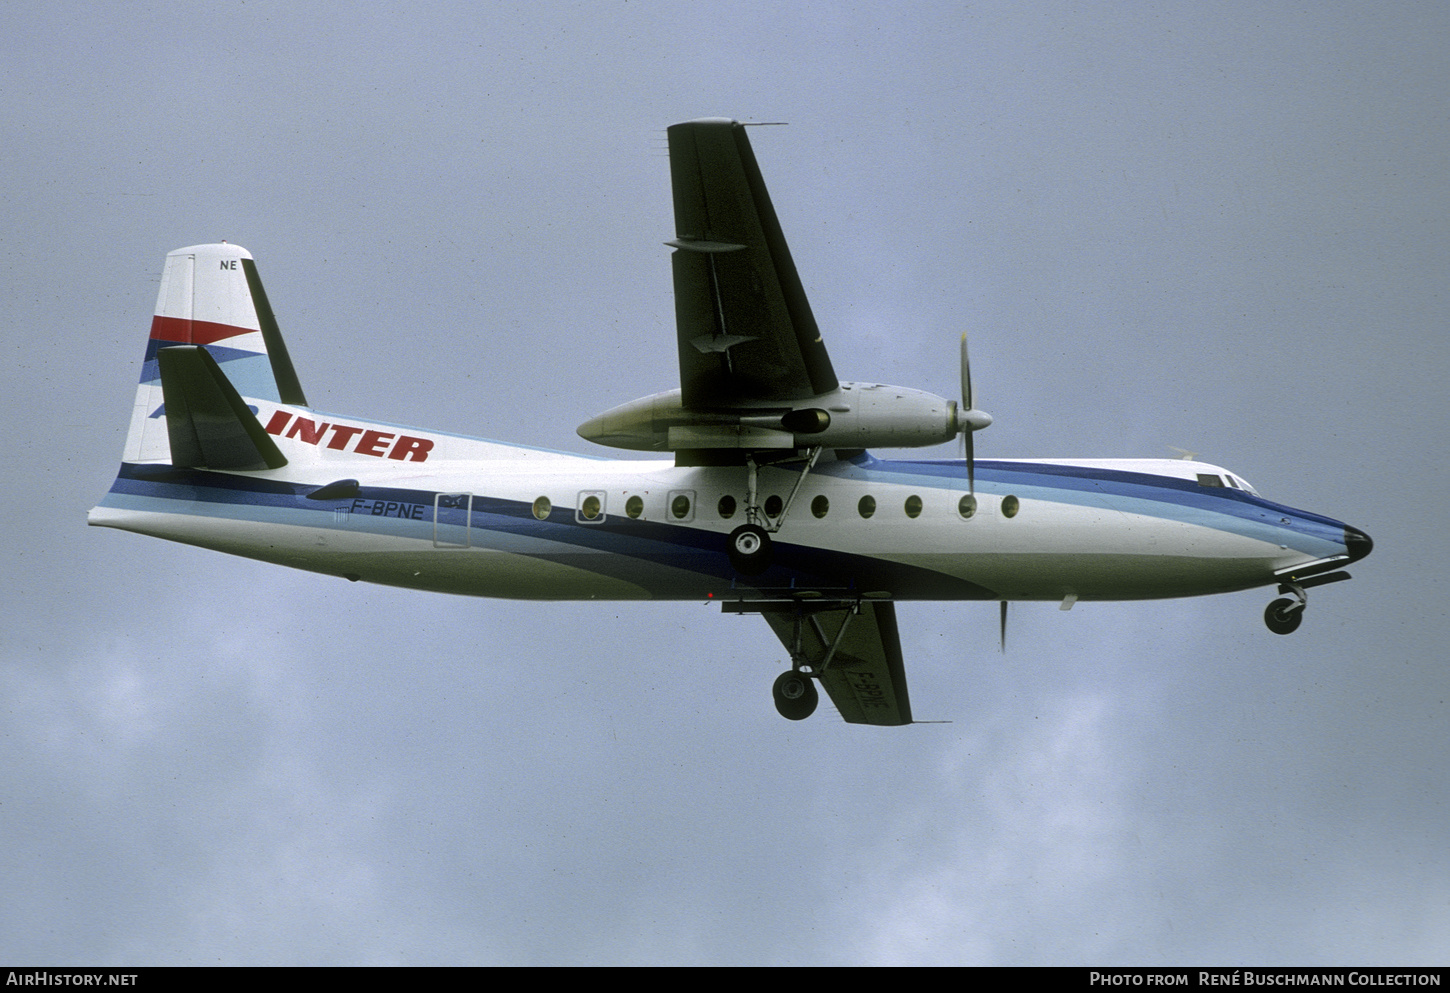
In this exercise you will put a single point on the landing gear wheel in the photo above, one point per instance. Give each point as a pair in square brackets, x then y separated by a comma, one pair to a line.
[795, 695]
[749, 548]
[1283, 616]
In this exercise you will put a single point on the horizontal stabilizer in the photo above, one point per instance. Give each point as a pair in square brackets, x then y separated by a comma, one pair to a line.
[209, 425]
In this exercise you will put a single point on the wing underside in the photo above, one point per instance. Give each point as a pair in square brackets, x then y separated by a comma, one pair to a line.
[854, 649]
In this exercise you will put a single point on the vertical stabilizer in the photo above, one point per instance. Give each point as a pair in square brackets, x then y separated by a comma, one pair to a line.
[211, 296]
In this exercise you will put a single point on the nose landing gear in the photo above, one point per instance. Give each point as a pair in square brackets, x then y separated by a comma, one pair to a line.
[1284, 614]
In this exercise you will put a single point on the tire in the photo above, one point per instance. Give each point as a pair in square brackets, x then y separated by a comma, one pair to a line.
[795, 695]
[749, 548]
[1280, 618]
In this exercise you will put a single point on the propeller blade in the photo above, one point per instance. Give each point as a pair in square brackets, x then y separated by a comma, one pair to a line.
[1003, 632]
[969, 454]
[968, 420]
[966, 376]
[968, 449]
[968, 417]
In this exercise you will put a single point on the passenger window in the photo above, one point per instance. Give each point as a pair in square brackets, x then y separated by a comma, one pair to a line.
[773, 505]
[867, 506]
[1010, 506]
[542, 506]
[591, 507]
[913, 506]
[820, 506]
[967, 506]
[727, 507]
[682, 504]
[634, 507]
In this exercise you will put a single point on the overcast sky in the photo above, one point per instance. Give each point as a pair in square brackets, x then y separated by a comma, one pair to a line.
[1222, 227]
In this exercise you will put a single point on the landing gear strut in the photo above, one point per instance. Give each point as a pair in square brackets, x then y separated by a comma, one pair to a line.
[795, 691]
[749, 544]
[1284, 614]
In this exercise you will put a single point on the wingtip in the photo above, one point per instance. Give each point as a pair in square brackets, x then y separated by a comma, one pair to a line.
[716, 121]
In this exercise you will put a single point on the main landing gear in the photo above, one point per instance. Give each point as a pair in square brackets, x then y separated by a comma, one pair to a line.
[795, 690]
[750, 549]
[749, 545]
[795, 695]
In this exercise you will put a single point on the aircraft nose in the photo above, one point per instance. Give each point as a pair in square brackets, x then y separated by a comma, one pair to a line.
[1358, 543]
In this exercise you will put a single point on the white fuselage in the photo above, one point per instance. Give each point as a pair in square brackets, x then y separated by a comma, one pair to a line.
[445, 513]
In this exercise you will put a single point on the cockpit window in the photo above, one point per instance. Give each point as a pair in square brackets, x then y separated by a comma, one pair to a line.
[1209, 479]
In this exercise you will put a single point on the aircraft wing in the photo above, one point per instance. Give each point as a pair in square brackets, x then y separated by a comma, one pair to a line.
[865, 677]
[746, 331]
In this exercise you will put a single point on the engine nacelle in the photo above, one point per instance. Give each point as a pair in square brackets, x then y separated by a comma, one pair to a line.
[855, 415]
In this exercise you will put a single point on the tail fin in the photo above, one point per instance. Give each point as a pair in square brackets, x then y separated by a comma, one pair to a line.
[211, 296]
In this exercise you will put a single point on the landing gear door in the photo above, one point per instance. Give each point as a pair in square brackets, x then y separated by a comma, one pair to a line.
[451, 519]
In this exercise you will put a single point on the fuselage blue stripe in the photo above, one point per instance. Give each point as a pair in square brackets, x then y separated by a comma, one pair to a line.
[1222, 508]
[1227, 510]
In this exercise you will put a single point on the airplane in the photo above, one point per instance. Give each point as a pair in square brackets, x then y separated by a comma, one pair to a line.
[769, 503]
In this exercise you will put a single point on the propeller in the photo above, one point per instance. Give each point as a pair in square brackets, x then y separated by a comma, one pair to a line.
[969, 420]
